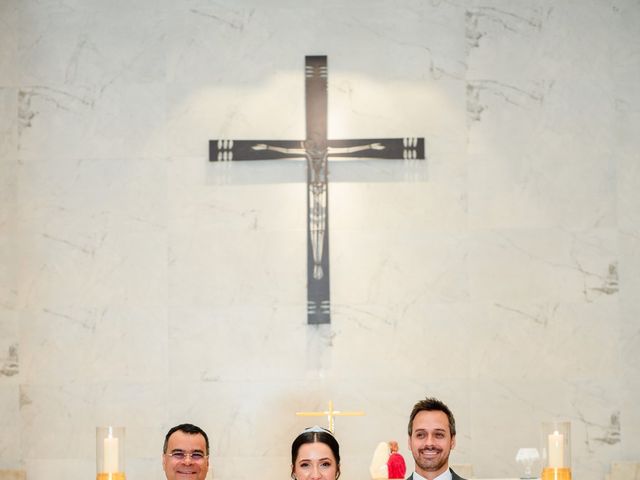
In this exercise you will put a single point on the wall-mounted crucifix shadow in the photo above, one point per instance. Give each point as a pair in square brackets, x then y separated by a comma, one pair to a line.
[317, 149]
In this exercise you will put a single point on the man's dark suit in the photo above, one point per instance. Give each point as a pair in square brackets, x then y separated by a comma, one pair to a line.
[454, 475]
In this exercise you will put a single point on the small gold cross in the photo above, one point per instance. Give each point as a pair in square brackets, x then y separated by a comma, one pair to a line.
[331, 413]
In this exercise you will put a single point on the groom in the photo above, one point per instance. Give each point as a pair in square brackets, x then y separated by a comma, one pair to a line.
[432, 436]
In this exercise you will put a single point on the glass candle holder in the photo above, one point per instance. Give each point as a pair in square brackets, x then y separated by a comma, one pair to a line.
[110, 453]
[556, 451]
[527, 458]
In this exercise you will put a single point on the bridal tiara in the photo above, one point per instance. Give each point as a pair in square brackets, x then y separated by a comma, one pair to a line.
[317, 429]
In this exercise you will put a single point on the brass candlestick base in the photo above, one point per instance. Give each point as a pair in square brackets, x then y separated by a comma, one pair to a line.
[556, 474]
[110, 476]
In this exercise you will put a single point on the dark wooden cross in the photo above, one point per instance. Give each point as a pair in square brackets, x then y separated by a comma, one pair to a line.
[317, 149]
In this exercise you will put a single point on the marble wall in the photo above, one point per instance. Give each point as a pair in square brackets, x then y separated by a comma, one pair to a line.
[142, 286]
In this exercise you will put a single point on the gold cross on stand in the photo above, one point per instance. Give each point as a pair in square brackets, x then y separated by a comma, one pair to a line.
[331, 413]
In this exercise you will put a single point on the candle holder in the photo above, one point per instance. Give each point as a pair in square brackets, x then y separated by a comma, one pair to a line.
[110, 453]
[527, 458]
[556, 451]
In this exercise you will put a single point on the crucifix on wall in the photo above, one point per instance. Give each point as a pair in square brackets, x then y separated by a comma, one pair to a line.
[316, 149]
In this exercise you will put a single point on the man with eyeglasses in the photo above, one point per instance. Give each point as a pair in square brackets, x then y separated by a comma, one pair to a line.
[185, 453]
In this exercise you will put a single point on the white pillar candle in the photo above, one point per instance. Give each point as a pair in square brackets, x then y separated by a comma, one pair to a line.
[556, 450]
[110, 454]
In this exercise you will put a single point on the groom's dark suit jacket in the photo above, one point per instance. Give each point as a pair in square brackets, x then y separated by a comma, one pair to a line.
[453, 474]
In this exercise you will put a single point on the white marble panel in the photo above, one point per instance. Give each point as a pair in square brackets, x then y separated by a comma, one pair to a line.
[370, 105]
[274, 35]
[628, 156]
[60, 469]
[8, 158]
[8, 42]
[550, 34]
[59, 421]
[629, 342]
[628, 188]
[272, 270]
[91, 43]
[625, 470]
[366, 267]
[202, 197]
[256, 173]
[78, 267]
[630, 416]
[422, 206]
[10, 351]
[524, 190]
[406, 342]
[524, 184]
[373, 241]
[207, 111]
[534, 131]
[544, 266]
[8, 189]
[208, 222]
[117, 193]
[8, 192]
[8, 244]
[118, 344]
[8, 123]
[8, 271]
[91, 122]
[630, 302]
[92, 231]
[626, 64]
[545, 341]
[272, 335]
[626, 70]
[10, 427]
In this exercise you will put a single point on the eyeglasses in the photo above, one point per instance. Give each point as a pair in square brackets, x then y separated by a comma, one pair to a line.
[180, 456]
